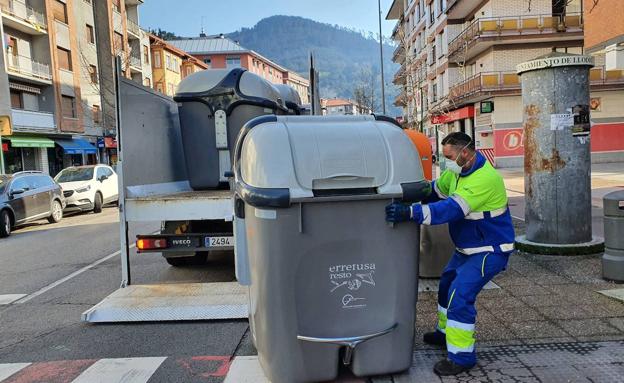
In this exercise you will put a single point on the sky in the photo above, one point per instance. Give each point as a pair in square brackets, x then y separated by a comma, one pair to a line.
[184, 17]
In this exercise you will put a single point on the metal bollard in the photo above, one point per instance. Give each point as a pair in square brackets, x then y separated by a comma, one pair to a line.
[613, 258]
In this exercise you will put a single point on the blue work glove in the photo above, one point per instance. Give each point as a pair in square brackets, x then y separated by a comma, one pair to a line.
[398, 212]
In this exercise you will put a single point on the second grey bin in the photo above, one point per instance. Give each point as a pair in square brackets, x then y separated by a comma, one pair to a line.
[330, 281]
[213, 106]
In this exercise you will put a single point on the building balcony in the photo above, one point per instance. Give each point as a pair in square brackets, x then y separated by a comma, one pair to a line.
[28, 69]
[484, 85]
[399, 76]
[489, 84]
[602, 79]
[18, 15]
[33, 121]
[398, 55]
[460, 9]
[483, 33]
[135, 63]
[134, 31]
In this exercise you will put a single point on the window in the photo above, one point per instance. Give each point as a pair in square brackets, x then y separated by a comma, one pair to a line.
[116, 6]
[145, 54]
[68, 105]
[118, 44]
[434, 93]
[233, 62]
[167, 61]
[60, 11]
[157, 60]
[20, 183]
[17, 102]
[189, 70]
[431, 15]
[93, 75]
[159, 87]
[433, 55]
[441, 83]
[90, 34]
[147, 82]
[96, 114]
[64, 58]
[208, 61]
[440, 7]
[169, 88]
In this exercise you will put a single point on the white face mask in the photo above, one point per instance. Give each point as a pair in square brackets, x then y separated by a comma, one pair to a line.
[453, 166]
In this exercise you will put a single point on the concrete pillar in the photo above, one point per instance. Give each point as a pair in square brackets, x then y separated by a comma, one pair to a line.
[557, 162]
[468, 125]
[456, 126]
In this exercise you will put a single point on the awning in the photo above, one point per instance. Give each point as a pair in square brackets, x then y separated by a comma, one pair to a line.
[25, 88]
[76, 146]
[29, 142]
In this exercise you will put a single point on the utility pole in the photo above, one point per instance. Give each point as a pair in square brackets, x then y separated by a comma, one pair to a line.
[383, 85]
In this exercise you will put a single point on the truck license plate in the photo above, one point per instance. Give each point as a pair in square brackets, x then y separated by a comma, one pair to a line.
[219, 241]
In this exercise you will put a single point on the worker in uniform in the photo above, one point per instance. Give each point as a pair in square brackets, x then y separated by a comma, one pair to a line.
[470, 196]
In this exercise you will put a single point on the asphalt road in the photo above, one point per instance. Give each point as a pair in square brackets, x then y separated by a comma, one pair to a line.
[35, 262]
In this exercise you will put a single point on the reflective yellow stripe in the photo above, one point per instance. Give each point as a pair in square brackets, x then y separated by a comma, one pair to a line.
[460, 340]
[451, 299]
[483, 265]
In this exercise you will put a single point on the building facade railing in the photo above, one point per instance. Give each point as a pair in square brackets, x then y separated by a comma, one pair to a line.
[26, 66]
[20, 10]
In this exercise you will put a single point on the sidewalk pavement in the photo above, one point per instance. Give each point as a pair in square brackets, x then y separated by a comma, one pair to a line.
[547, 322]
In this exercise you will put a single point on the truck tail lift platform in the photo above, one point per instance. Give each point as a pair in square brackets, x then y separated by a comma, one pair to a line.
[154, 187]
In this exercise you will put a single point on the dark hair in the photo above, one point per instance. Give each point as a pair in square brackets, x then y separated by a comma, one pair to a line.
[459, 140]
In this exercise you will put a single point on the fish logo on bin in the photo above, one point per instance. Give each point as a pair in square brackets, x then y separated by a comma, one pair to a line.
[351, 278]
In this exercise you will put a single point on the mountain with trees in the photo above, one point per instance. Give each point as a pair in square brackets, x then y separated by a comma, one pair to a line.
[347, 60]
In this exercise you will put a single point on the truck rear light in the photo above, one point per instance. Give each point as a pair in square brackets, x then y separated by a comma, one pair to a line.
[151, 243]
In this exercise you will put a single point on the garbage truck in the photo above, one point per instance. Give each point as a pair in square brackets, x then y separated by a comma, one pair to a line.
[213, 105]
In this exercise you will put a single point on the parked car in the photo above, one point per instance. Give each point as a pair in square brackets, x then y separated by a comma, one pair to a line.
[88, 187]
[28, 196]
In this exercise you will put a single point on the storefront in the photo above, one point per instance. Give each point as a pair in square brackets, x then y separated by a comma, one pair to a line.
[110, 144]
[25, 153]
[72, 152]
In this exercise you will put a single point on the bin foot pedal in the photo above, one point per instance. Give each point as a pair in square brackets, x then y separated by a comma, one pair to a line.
[349, 342]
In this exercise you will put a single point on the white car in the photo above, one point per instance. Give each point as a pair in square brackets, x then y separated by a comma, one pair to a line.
[88, 187]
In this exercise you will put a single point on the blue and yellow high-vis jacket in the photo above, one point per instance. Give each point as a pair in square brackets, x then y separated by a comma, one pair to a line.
[474, 204]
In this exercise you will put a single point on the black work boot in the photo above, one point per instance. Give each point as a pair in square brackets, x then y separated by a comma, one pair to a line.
[435, 338]
[448, 367]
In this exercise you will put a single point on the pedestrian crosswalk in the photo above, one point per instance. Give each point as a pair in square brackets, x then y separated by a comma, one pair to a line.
[115, 370]
[240, 369]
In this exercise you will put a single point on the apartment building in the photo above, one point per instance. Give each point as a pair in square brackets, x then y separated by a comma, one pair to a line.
[53, 97]
[340, 106]
[221, 52]
[170, 65]
[458, 68]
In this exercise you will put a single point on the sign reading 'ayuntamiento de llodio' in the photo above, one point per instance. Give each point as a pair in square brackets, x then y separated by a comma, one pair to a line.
[556, 61]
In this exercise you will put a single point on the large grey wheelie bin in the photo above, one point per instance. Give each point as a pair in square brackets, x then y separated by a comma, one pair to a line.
[330, 280]
[213, 106]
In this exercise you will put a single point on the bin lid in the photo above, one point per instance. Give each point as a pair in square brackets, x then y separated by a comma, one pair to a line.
[613, 204]
[226, 86]
[288, 94]
[304, 154]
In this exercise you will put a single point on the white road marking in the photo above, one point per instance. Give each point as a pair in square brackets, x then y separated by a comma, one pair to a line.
[9, 369]
[245, 369]
[67, 278]
[7, 299]
[126, 370]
